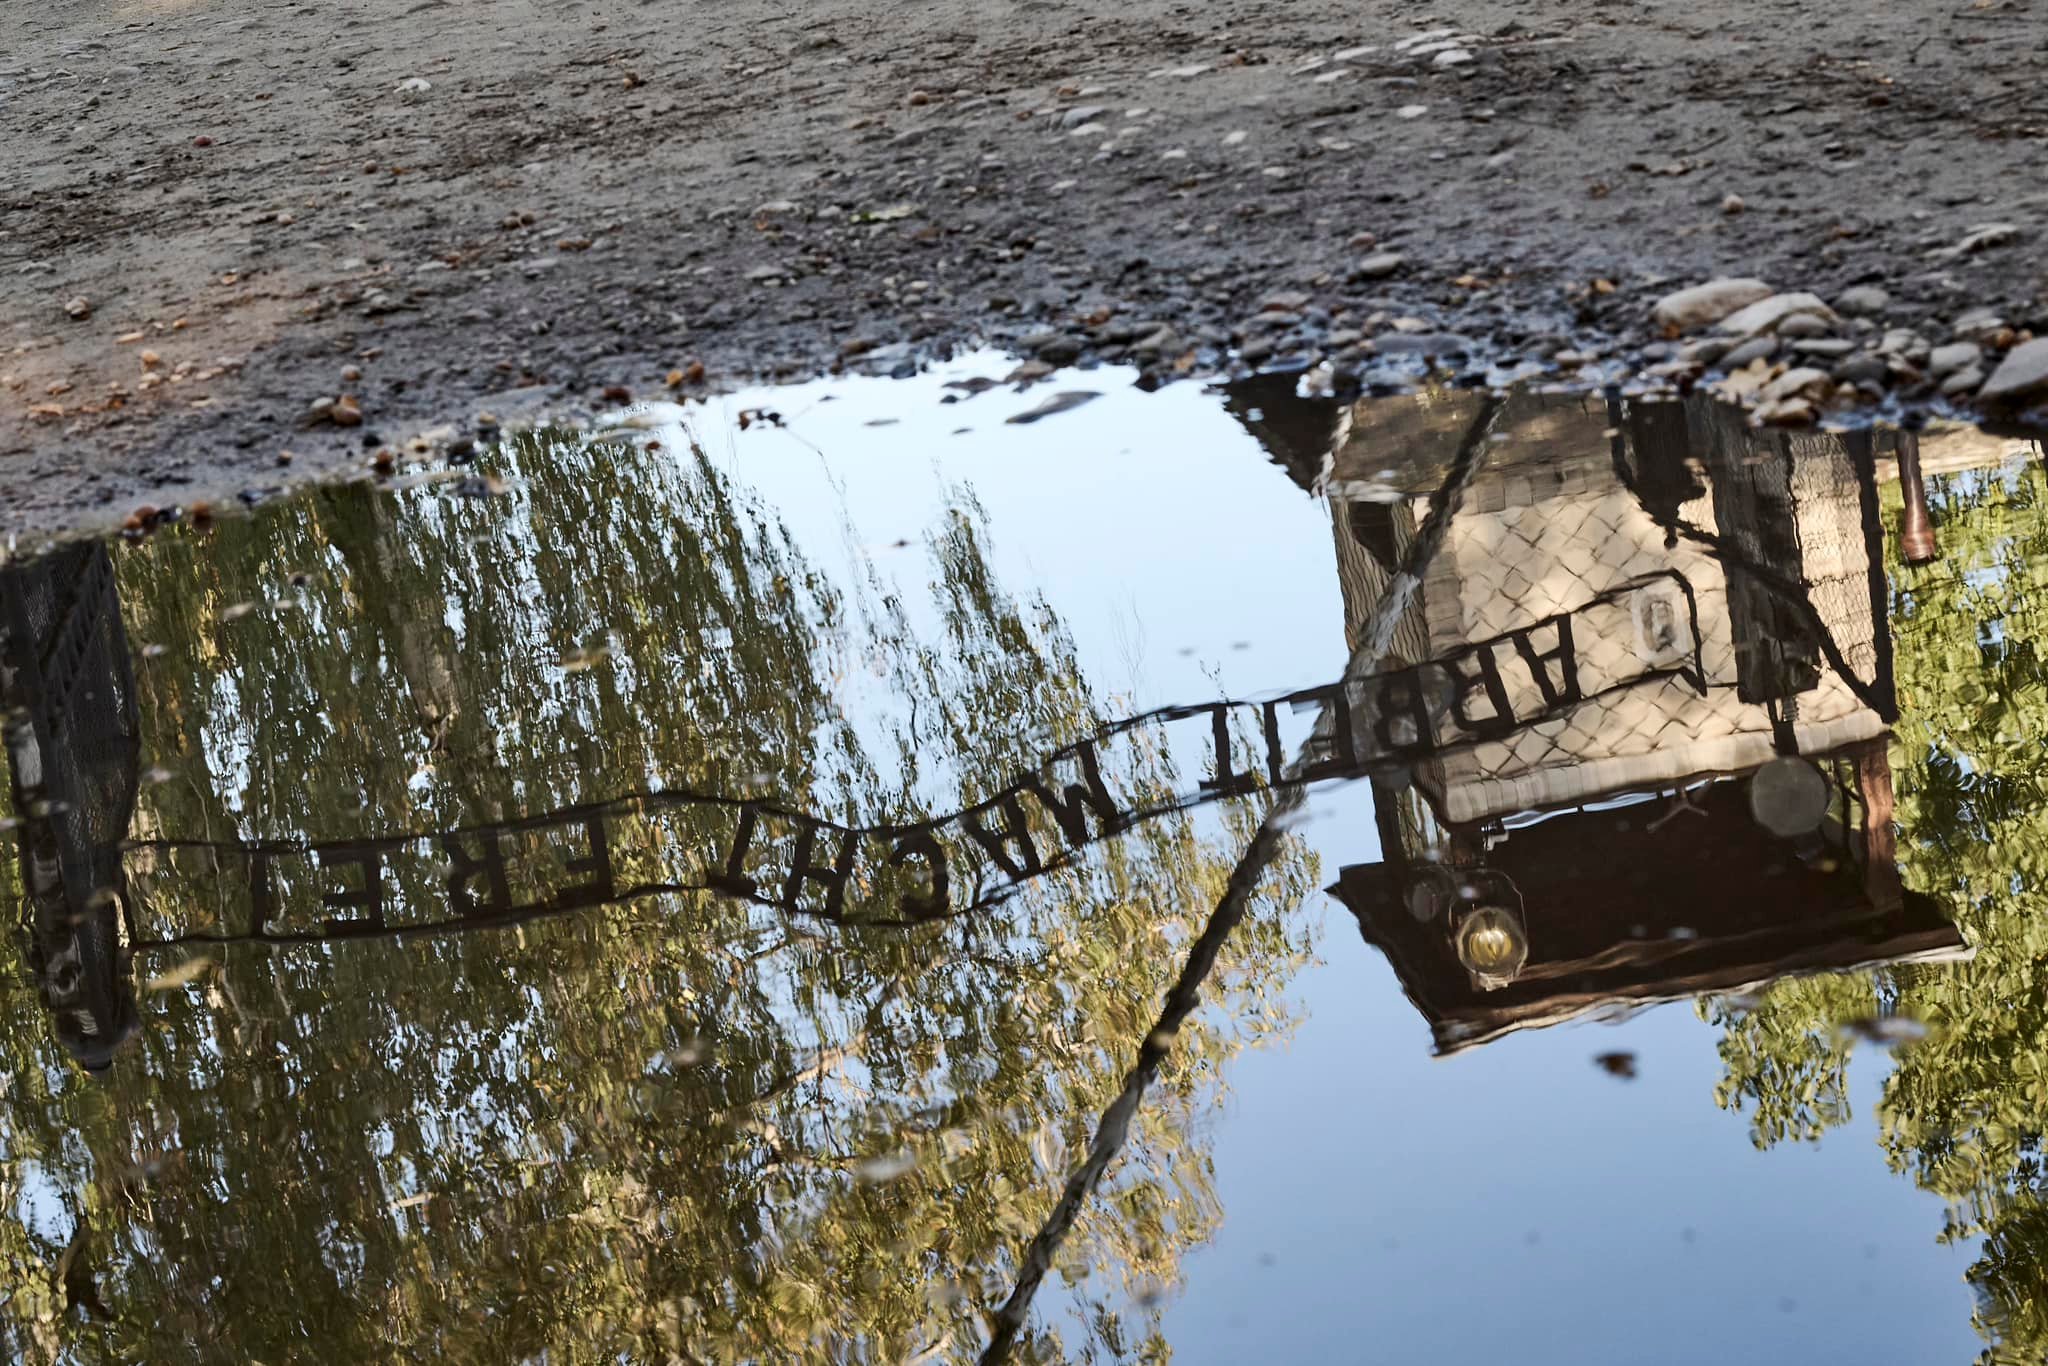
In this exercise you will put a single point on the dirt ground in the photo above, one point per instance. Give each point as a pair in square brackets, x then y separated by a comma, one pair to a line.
[440, 206]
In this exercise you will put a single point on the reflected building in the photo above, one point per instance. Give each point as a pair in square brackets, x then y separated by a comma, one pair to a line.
[1699, 830]
[73, 749]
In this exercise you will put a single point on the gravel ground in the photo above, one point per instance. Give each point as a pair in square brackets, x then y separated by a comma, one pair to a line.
[215, 216]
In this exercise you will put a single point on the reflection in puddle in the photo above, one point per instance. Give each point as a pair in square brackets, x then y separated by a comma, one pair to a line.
[703, 892]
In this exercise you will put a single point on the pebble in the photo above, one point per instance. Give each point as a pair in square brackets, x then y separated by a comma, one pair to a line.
[1862, 301]
[1863, 369]
[1378, 266]
[1770, 315]
[1785, 412]
[1163, 342]
[1797, 383]
[345, 412]
[1826, 348]
[1421, 344]
[1981, 236]
[1705, 351]
[2021, 375]
[1756, 348]
[1732, 204]
[1978, 323]
[1452, 56]
[1703, 305]
[1060, 350]
[1906, 344]
[1801, 325]
[350, 374]
[1411, 111]
[79, 308]
[1944, 360]
[1962, 382]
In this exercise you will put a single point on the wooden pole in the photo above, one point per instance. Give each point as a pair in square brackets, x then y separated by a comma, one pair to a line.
[1916, 532]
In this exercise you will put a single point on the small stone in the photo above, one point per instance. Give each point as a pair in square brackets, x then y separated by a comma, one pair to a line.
[1785, 412]
[1058, 350]
[1863, 369]
[1421, 344]
[79, 308]
[775, 208]
[1862, 301]
[1796, 383]
[1286, 302]
[1080, 114]
[1732, 205]
[351, 373]
[1755, 349]
[1770, 315]
[917, 98]
[346, 412]
[1978, 324]
[1962, 382]
[202, 141]
[1906, 344]
[1945, 360]
[1378, 266]
[150, 360]
[1411, 111]
[2021, 375]
[1165, 341]
[1825, 348]
[1980, 237]
[1699, 306]
[1804, 325]
[1452, 56]
[413, 85]
[1705, 351]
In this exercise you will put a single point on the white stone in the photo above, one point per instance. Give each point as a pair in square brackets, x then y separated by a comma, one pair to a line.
[1795, 383]
[1703, 305]
[1766, 314]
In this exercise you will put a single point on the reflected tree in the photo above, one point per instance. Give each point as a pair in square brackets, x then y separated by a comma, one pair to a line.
[684, 1129]
[1963, 1109]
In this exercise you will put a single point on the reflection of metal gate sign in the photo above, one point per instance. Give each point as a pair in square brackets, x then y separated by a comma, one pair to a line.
[773, 855]
[1647, 628]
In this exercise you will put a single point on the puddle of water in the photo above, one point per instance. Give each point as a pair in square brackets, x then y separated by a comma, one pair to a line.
[823, 875]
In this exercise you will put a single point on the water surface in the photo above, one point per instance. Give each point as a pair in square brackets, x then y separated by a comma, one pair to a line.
[838, 874]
